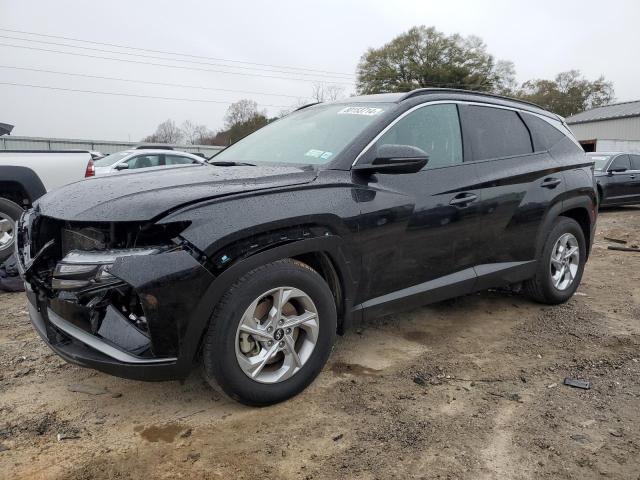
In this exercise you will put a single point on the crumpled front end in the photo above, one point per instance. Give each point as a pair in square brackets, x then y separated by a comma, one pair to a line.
[117, 297]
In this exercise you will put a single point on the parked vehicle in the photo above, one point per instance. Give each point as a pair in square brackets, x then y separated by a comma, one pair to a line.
[95, 155]
[26, 175]
[618, 177]
[143, 158]
[334, 213]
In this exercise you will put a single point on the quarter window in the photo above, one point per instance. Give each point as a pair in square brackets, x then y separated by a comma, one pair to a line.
[543, 134]
[434, 129]
[495, 132]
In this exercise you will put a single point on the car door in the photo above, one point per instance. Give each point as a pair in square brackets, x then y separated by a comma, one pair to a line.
[518, 184]
[620, 180]
[414, 228]
[635, 176]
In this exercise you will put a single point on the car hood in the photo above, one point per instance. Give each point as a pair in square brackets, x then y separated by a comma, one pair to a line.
[142, 196]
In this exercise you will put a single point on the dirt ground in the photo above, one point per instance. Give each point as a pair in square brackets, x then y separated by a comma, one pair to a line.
[465, 389]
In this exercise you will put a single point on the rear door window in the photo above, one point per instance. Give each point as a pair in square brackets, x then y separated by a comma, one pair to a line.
[543, 134]
[495, 132]
[434, 129]
[144, 161]
[635, 162]
[621, 162]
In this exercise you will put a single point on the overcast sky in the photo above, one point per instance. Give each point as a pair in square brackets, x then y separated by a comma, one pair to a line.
[542, 38]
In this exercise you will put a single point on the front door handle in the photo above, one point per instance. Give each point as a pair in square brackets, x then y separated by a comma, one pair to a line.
[632, 177]
[551, 182]
[463, 199]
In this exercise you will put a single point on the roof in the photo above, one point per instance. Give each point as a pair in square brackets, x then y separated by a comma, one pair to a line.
[155, 151]
[451, 93]
[608, 112]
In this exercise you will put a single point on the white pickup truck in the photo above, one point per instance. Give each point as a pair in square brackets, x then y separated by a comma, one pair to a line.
[26, 175]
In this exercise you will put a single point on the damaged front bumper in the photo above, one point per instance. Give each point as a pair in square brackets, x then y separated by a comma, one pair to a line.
[128, 315]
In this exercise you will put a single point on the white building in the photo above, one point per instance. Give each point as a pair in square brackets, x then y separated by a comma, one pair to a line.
[613, 128]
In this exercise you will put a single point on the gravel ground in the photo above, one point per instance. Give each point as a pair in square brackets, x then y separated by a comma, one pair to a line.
[465, 389]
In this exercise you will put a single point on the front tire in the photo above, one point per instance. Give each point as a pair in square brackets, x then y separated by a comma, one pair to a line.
[271, 334]
[560, 267]
[9, 214]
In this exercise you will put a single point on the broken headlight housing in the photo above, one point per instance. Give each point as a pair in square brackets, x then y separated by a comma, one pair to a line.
[79, 270]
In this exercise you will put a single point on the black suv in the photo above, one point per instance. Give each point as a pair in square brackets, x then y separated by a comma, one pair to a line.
[252, 263]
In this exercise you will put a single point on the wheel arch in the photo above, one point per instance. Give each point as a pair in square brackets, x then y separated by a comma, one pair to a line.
[326, 254]
[24, 188]
[581, 208]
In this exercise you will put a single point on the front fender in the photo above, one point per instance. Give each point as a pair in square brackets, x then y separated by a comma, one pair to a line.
[332, 245]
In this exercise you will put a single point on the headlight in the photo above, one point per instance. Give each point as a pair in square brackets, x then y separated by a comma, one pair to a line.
[79, 269]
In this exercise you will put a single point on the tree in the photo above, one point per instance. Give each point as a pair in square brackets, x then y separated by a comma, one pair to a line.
[167, 132]
[569, 93]
[242, 111]
[194, 134]
[327, 93]
[425, 57]
[242, 129]
[241, 119]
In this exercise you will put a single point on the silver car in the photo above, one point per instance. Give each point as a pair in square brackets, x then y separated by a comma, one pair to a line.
[137, 158]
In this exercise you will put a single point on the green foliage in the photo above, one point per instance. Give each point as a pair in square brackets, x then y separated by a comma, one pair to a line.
[569, 93]
[425, 57]
[242, 129]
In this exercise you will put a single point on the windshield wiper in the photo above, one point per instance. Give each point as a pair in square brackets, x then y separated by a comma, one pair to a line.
[231, 164]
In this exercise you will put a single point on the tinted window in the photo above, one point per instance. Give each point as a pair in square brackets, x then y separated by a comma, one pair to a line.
[495, 133]
[543, 134]
[435, 129]
[177, 160]
[144, 161]
[635, 162]
[621, 161]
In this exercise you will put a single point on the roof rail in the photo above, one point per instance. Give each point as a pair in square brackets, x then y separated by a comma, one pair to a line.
[306, 106]
[423, 91]
[153, 147]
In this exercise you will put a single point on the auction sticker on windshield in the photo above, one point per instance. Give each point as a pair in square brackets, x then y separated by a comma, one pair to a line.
[368, 111]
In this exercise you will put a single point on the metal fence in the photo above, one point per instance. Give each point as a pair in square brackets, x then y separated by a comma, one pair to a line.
[106, 147]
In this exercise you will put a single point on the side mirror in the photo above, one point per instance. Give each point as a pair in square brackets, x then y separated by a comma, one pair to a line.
[618, 170]
[122, 166]
[395, 159]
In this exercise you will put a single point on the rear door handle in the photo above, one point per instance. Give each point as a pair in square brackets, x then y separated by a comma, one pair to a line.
[551, 182]
[632, 177]
[463, 199]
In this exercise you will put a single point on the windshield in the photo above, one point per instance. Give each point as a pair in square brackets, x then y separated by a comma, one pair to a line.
[312, 136]
[600, 160]
[110, 159]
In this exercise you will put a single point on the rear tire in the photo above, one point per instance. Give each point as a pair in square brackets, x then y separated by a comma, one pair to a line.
[232, 358]
[9, 214]
[558, 276]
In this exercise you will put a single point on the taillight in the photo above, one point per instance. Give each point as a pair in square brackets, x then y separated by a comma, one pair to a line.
[91, 170]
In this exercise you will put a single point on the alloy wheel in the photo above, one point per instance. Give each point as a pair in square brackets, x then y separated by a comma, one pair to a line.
[565, 261]
[277, 335]
[7, 231]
